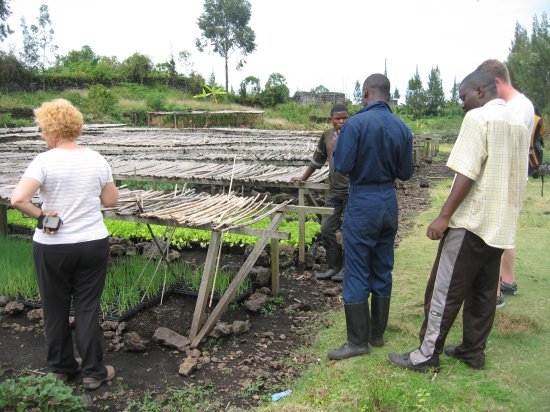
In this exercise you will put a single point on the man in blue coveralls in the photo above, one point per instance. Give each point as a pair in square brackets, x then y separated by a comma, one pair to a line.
[374, 149]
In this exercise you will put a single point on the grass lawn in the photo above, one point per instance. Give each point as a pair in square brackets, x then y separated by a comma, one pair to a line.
[516, 376]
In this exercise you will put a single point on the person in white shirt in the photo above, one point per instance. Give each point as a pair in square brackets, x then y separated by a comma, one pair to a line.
[72, 183]
[522, 106]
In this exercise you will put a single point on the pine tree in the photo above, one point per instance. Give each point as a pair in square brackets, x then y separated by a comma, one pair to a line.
[435, 96]
[357, 93]
[415, 98]
[529, 61]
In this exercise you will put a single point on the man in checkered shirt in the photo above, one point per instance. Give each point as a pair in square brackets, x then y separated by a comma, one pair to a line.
[476, 224]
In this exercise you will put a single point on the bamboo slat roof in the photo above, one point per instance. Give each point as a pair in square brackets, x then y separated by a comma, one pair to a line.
[187, 208]
[247, 155]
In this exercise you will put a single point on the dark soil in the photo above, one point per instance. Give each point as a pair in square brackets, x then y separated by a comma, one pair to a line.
[237, 371]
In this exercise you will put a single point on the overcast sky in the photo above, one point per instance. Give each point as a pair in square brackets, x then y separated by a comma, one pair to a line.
[310, 42]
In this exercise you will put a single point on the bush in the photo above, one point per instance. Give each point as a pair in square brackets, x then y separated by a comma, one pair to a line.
[44, 393]
[100, 100]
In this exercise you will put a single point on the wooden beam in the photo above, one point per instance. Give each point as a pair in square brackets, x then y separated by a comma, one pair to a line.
[301, 229]
[235, 284]
[206, 282]
[249, 231]
[3, 220]
[275, 275]
[309, 209]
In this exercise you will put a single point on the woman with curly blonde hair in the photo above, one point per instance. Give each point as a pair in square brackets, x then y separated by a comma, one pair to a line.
[70, 253]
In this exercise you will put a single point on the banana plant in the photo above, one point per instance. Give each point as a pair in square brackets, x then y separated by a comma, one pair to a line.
[212, 92]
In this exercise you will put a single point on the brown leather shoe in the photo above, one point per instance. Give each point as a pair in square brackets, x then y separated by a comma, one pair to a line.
[92, 383]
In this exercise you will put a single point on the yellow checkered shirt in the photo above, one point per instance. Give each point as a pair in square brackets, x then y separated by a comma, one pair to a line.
[490, 150]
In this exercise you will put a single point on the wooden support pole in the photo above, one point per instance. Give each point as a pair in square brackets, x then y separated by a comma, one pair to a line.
[3, 220]
[235, 284]
[206, 283]
[275, 285]
[301, 229]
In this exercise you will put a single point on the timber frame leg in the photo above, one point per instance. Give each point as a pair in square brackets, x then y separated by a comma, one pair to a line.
[197, 335]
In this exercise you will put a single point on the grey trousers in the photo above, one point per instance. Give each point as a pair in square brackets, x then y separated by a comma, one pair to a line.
[73, 271]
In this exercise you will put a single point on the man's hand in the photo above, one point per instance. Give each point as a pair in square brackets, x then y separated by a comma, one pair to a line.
[297, 179]
[437, 228]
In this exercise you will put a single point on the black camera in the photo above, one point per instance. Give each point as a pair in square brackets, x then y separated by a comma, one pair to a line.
[50, 222]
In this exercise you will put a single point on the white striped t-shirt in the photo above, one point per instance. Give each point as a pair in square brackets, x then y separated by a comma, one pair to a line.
[71, 181]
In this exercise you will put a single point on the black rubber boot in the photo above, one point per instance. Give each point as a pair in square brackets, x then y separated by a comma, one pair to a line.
[379, 311]
[357, 324]
[339, 277]
[333, 257]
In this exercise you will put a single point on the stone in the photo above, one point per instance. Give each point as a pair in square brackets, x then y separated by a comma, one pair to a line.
[13, 308]
[134, 343]
[240, 327]
[188, 366]
[194, 353]
[35, 314]
[260, 276]
[221, 329]
[121, 328]
[3, 301]
[109, 325]
[287, 256]
[168, 337]
[255, 302]
[425, 183]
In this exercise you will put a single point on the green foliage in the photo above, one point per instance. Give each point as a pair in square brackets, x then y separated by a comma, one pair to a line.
[44, 393]
[320, 89]
[156, 102]
[5, 12]
[416, 96]
[192, 398]
[435, 96]
[357, 93]
[12, 71]
[273, 302]
[137, 67]
[6, 120]
[17, 277]
[295, 112]
[529, 60]
[130, 279]
[212, 92]
[133, 279]
[100, 100]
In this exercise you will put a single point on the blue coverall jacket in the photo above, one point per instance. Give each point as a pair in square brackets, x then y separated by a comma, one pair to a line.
[374, 149]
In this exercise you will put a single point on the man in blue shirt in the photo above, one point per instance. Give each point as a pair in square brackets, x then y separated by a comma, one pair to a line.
[374, 149]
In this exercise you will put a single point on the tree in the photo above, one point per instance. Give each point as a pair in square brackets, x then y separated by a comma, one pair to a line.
[320, 89]
[137, 67]
[275, 79]
[396, 94]
[275, 90]
[5, 12]
[184, 57]
[357, 93]
[416, 96]
[529, 60]
[38, 43]
[435, 96]
[84, 55]
[250, 90]
[454, 93]
[224, 26]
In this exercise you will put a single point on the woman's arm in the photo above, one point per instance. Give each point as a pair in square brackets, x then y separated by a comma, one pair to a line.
[109, 195]
[22, 195]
